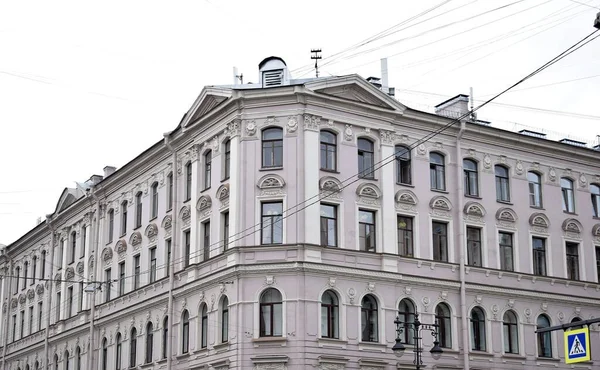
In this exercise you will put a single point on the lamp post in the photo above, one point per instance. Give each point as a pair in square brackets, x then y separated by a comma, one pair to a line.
[418, 327]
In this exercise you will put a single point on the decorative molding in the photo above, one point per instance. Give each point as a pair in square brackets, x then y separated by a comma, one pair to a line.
[223, 194]
[348, 133]
[474, 211]
[596, 232]
[204, 203]
[167, 222]
[507, 215]
[519, 169]
[583, 182]
[487, 161]
[151, 232]
[250, 128]
[330, 187]
[539, 222]
[69, 273]
[271, 184]
[311, 123]
[107, 254]
[387, 137]
[135, 239]
[185, 215]
[233, 128]
[552, 174]
[572, 228]
[406, 200]
[368, 190]
[80, 267]
[121, 247]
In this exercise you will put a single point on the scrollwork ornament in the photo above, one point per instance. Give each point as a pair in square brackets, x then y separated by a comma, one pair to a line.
[487, 161]
[519, 169]
[292, 124]
[251, 128]
[348, 133]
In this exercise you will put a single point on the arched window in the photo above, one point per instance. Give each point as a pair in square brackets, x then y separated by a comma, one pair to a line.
[366, 158]
[502, 185]
[138, 209]
[207, 169]
[165, 337]
[25, 273]
[203, 326]
[185, 332]
[510, 331]
[124, 218]
[188, 181]
[544, 340]
[470, 177]
[535, 189]
[56, 361]
[403, 164]
[118, 351]
[437, 171]
[369, 320]
[595, 190]
[271, 315]
[17, 275]
[170, 191]
[78, 358]
[36, 365]
[133, 348]
[149, 342]
[154, 210]
[272, 147]
[406, 314]
[227, 159]
[443, 319]
[105, 354]
[224, 320]
[574, 320]
[73, 247]
[66, 360]
[568, 196]
[328, 151]
[478, 329]
[43, 263]
[330, 317]
[111, 224]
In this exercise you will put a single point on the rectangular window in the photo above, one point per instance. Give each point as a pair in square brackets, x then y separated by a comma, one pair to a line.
[188, 181]
[186, 243]
[206, 240]
[539, 256]
[154, 213]
[152, 265]
[69, 301]
[474, 246]
[405, 236]
[440, 241]
[121, 278]
[506, 251]
[168, 247]
[73, 248]
[30, 320]
[272, 223]
[124, 218]
[225, 230]
[328, 225]
[83, 241]
[366, 231]
[138, 210]
[107, 278]
[572, 261]
[58, 304]
[80, 297]
[61, 248]
[227, 160]
[22, 326]
[598, 264]
[207, 169]
[136, 272]
[40, 314]
[170, 192]
[111, 225]
[14, 328]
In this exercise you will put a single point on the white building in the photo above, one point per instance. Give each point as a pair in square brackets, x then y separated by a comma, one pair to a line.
[209, 248]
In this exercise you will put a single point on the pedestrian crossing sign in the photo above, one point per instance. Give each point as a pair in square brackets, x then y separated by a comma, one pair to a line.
[577, 345]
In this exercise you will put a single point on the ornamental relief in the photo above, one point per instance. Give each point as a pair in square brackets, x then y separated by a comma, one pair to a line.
[204, 203]
[151, 232]
[596, 232]
[311, 123]
[539, 222]
[572, 228]
[223, 193]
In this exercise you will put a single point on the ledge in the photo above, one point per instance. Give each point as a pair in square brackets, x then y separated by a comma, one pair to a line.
[440, 191]
[147, 365]
[549, 359]
[372, 346]
[406, 185]
[161, 361]
[480, 353]
[221, 347]
[263, 169]
[269, 359]
[513, 356]
[329, 171]
[330, 342]
[275, 341]
[182, 356]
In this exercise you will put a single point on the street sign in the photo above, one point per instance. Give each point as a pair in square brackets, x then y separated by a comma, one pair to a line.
[577, 345]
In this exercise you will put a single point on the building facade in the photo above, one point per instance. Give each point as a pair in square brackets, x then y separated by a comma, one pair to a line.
[286, 224]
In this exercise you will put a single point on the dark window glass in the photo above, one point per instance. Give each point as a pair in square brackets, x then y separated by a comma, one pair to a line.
[185, 332]
[122, 278]
[73, 247]
[440, 241]
[58, 305]
[271, 315]
[474, 246]
[149, 342]
[152, 265]
[111, 225]
[405, 236]
[406, 314]
[272, 147]
[502, 185]
[107, 279]
[34, 269]
[443, 319]
[104, 354]
[544, 340]
[369, 319]
[272, 223]
[470, 177]
[366, 231]
[43, 263]
[329, 315]
[595, 190]
[227, 160]
[204, 327]
[83, 240]
[133, 348]
[187, 246]
[506, 251]
[207, 169]
[437, 171]
[598, 264]
[225, 320]
[188, 181]
[539, 256]
[510, 333]
[535, 189]
[170, 191]
[328, 151]
[568, 196]
[572, 261]
[366, 159]
[206, 240]
[138, 210]
[328, 225]
[154, 200]
[69, 301]
[165, 337]
[478, 342]
[136, 272]
[119, 352]
[123, 218]
[168, 243]
[403, 164]
[225, 230]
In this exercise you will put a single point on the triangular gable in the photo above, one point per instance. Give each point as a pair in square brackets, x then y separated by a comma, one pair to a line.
[355, 88]
[68, 197]
[209, 98]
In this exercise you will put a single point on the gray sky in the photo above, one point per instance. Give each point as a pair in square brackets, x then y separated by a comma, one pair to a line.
[89, 84]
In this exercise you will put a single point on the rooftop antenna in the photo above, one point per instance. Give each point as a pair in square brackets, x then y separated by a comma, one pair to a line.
[472, 101]
[316, 57]
[237, 77]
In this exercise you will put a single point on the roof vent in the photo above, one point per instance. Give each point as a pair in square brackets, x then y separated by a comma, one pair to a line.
[273, 72]
[454, 107]
[572, 142]
[533, 134]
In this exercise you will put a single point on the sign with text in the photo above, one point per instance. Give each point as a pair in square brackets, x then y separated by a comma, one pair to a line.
[577, 345]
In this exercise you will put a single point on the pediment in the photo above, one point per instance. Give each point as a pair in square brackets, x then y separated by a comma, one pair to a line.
[357, 89]
[68, 197]
[209, 99]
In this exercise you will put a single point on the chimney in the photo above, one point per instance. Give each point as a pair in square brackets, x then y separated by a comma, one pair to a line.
[454, 107]
[109, 170]
[95, 179]
[384, 76]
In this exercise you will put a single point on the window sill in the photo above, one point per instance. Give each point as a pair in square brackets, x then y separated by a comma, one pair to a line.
[161, 361]
[570, 213]
[269, 339]
[147, 365]
[221, 347]
[549, 359]
[225, 179]
[507, 202]
[372, 346]
[367, 178]
[187, 200]
[137, 227]
[205, 189]
[536, 207]
[274, 168]
[480, 353]
[153, 218]
[182, 356]
[473, 196]
[122, 235]
[440, 191]
[329, 171]
[449, 351]
[514, 356]
[403, 184]
[332, 342]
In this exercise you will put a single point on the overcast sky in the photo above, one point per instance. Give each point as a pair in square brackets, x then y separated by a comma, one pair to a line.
[89, 84]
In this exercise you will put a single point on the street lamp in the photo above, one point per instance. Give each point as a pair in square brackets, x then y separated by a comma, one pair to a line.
[417, 326]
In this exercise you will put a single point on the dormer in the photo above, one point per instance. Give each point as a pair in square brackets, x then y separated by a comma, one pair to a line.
[273, 72]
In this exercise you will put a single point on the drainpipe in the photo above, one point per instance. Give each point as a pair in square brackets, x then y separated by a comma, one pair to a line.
[96, 238]
[459, 239]
[49, 291]
[7, 294]
[174, 234]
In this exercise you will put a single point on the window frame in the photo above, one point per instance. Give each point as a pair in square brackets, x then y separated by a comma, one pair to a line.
[205, 240]
[437, 172]
[328, 151]
[139, 207]
[73, 247]
[122, 273]
[568, 194]
[502, 184]
[327, 220]
[185, 332]
[474, 246]
[403, 165]
[165, 337]
[170, 191]
[595, 197]
[203, 326]
[227, 159]
[406, 313]
[443, 318]
[330, 319]
[537, 253]
[406, 242]
[276, 156]
[154, 208]
[366, 158]
[263, 228]
[224, 320]
[369, 317]
[535, 189]
[149, 342]
[363, 228]
[187, 235]
[477, 322]
[572, 260]
[118, 351]
[503, 248]
[471, 178]
[440, 251]
[207, 159]
[272, 306]
[124, 206]
[152, 272]
[105, 354]
[542, 350]
[133, 348]
[188, 181]
[510, 333]
[111, 225]
[136, 271]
